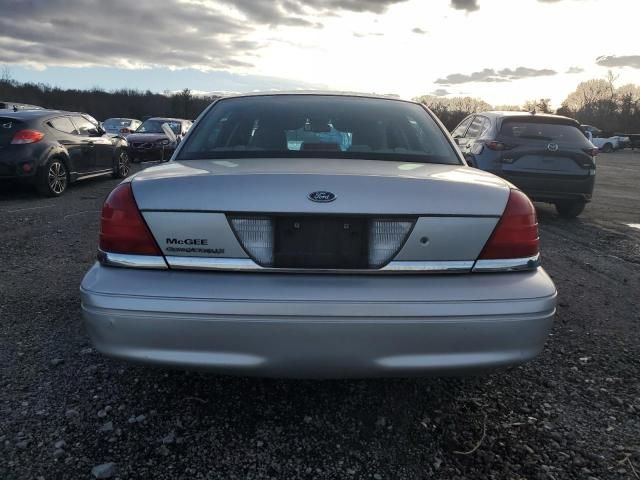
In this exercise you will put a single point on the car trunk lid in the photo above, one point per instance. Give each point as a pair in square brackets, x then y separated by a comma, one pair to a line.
[361, 187]
[544, 145]
[263, 210]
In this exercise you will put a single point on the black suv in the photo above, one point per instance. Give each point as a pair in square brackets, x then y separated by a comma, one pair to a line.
[51, 149]
[546, 156]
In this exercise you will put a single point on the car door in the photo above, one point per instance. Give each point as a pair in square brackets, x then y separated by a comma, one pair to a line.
[78, 147]
[85, 129]
[460, 131]
[103, 145]
[475, 130]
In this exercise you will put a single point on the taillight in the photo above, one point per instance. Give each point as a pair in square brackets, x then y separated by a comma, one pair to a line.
[498, 146]
[22, 137]
[124, 130]
[516, 234]
[122, 228]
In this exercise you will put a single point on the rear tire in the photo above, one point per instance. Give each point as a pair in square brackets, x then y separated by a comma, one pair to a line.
[607, 148]
[53, 179]
[121, 164]
[570, 208]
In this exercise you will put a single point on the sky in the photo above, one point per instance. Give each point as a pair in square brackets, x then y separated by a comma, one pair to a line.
[503, 51]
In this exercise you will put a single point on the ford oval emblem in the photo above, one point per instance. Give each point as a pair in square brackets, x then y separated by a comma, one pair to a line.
[322, 196]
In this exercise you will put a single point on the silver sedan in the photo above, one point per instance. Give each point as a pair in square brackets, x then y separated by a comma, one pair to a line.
[318, 235]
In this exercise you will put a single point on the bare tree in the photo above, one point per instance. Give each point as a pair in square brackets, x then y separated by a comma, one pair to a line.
[542, 105]
[5, 74]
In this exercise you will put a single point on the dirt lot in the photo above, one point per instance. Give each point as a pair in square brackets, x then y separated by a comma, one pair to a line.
[572, 413]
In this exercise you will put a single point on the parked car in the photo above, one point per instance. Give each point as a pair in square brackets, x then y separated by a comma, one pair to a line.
[150, 142]
[120, 126]
[605, 142]
[50, 149]
[317, 235]
[547, 156]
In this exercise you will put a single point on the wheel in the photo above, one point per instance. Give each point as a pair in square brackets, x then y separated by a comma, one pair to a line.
[569, 208]
[53, 178]
[122, 165]
[607, 148]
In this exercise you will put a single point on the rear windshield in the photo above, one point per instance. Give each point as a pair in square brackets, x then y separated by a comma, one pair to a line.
[305, 126]
[116, 124]
[8, 128]
[542, 131]
[155, 126]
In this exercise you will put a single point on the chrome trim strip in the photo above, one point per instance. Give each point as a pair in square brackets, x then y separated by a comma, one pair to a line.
[507, 264]
[437, 266]
[207, 263]
[246, 264]
[132, 261]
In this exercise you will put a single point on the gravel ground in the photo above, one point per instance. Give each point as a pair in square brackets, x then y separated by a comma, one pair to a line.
[66, 412]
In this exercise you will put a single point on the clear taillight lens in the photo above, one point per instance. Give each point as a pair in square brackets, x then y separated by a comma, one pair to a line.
[256, 236]
[385, 239]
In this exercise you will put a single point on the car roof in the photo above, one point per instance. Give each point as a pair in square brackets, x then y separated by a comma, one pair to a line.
[31, 114]
[504, 114]
[326, 93]
[169, 119]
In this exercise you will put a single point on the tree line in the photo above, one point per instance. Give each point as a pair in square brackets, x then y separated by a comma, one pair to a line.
[101, 104]
[596, 102]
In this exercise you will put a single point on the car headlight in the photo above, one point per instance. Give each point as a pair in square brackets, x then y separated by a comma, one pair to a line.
[163, 142]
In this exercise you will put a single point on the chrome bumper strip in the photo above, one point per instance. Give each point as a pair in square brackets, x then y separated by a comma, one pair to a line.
[248, 265]
[507, 264]
[132, 261]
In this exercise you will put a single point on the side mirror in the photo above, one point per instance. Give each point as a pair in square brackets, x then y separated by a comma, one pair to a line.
[95, 132]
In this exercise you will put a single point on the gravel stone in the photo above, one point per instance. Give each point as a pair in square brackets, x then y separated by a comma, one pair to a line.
[106, 427]
[104, 470]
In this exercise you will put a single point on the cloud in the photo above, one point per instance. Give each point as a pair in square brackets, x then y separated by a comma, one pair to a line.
[440, 92]
[370, 34]
[574, 69]
[615, 61]
[278, 12]
[419, 31]
[491, 75]
[121, 33]
[467, 5]
[150, 33]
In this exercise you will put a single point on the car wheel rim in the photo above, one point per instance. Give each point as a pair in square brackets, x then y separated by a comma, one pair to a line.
[123, 164]
[57, 177]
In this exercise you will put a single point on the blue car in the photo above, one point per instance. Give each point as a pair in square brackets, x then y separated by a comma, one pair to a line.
[547, 156]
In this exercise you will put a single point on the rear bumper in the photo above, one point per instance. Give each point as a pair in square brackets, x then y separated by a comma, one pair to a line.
[12, 163]
[318, 326]
[545, 187]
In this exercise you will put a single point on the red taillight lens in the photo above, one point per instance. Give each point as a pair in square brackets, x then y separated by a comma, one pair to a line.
[122, 229]
[27, 136]
[516, 235]
[499, 146]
